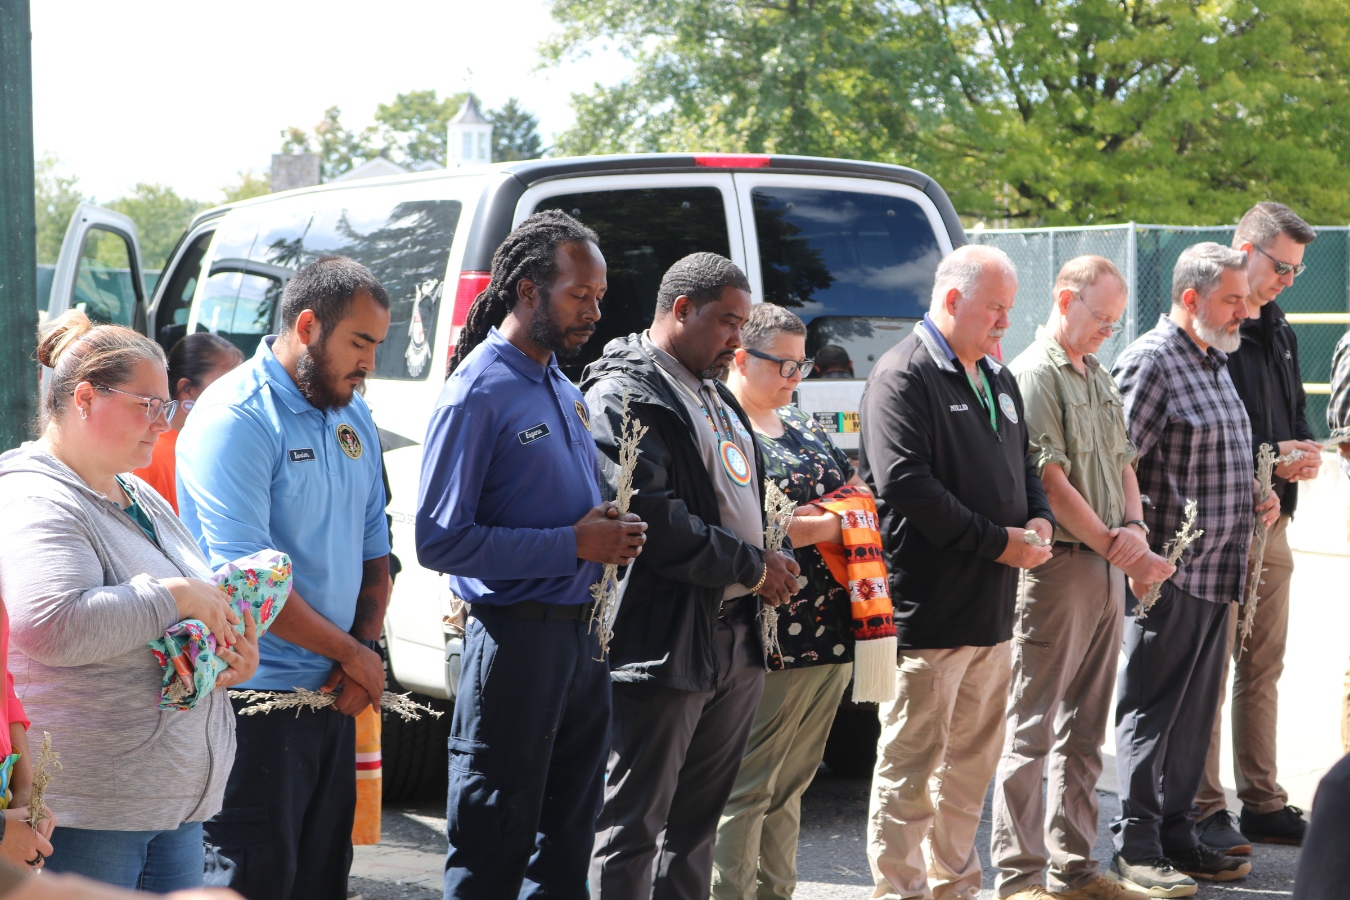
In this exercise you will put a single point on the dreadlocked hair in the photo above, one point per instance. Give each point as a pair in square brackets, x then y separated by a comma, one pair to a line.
[529, 252]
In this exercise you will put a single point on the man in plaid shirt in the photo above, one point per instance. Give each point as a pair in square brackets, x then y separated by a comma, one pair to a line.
[1194, 442]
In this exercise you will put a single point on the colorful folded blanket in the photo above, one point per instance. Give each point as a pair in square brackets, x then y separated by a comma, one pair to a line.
[257, 585]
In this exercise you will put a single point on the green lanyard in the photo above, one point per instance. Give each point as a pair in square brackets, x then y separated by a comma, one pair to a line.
[987, 398]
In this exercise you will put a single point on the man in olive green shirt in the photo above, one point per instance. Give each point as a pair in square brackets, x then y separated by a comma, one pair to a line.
[1070, 610]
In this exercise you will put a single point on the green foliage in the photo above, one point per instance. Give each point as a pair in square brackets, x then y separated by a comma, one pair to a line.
[1036, 112]
[339, 148]
[515, 133]
[249, 185]
[161, 217]
[413, 126]
[56, 198]
[410, 130]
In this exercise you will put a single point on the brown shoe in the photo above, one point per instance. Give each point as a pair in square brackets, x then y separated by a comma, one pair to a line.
[1032, 892]
[1100, 888]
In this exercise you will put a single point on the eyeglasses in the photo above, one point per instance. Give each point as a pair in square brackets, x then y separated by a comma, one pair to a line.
[153, 405]
[1282, 268]
[786, 367]
[1105, 326]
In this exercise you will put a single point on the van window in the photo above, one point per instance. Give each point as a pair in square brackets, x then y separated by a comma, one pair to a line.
[642, 233]
[405, 244]
[104, 290]
[175, 303]
[853, 265]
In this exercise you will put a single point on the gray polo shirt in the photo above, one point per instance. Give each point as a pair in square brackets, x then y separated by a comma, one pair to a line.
[733, 477]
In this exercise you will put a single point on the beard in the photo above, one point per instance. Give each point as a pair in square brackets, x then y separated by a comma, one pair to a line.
[1218, 338]
[545, 333]
[719, 368]
[318, 383]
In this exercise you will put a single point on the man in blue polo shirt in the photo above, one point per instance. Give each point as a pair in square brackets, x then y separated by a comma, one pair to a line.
[510, 507]
[282, 453]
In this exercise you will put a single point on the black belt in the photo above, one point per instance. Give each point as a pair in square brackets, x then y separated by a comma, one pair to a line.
[1075, 545]
[732, 606]
[533, 609]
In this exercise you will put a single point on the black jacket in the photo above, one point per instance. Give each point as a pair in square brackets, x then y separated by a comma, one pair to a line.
[1266, 374]
[668, 618]
[947, 485]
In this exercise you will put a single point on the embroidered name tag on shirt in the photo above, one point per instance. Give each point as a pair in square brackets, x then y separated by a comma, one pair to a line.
[529, 435]
[304, 454]
[959, 407]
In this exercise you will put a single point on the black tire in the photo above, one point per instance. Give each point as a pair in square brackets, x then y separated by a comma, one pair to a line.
[416, 762]
[851, 749]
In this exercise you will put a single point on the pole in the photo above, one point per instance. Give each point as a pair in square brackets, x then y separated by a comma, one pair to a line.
[18, 229]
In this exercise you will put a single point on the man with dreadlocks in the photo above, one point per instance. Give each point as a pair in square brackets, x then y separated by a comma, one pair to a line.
[686, 660]
[510, 507]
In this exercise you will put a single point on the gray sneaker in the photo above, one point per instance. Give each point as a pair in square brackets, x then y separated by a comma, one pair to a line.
[1220, 832]
[1156, 877]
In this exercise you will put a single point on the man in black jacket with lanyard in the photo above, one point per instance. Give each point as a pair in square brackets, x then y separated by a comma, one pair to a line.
[686, 660]
[944, 449]
[1265, 372]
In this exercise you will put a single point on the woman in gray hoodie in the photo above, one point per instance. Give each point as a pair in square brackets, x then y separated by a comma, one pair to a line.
[94, 565]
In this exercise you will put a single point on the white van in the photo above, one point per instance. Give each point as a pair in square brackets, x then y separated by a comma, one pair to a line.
[851, 247]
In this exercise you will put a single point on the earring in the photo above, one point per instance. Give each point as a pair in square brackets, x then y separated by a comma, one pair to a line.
[187, 405]
[84, 413]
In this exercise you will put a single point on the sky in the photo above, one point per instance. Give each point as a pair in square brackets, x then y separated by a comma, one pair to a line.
[189, 94]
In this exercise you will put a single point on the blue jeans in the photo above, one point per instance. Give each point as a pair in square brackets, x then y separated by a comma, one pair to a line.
[154, 861]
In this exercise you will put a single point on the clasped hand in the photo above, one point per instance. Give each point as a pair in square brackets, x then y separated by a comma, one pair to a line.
[605, 535]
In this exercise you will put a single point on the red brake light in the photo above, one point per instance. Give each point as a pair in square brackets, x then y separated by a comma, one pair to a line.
[471, 284]
[733, 160]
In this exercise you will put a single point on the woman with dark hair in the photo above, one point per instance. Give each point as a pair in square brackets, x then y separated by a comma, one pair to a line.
[195, 362]
[96, 565]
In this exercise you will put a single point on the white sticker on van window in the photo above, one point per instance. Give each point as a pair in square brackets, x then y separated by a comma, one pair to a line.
[418, 354]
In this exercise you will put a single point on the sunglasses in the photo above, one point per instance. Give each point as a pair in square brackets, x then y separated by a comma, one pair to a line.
[1282, 268]
[786, 367]
[153, 405]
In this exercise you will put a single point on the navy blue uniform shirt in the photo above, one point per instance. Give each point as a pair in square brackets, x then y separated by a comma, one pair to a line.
[508, 467]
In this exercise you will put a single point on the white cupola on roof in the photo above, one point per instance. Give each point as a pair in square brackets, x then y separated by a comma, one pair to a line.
[469, 137]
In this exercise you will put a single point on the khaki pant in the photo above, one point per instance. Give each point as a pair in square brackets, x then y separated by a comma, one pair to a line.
[1070, 612]
[1256, 675]
[939, 746]
[757, 837]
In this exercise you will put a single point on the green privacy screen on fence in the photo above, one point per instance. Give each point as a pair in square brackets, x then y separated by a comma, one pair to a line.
[1146, 254]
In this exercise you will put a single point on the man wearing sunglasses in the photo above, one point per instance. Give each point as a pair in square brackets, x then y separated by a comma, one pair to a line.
[1265, 371]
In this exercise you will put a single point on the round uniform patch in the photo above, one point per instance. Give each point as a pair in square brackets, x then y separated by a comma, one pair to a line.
[736, 423]
[1009, 408]
[582, 414]
[348, 441]
[734, 461]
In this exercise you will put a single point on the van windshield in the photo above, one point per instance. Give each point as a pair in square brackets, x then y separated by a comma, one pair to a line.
[642, 233]
[857, 267]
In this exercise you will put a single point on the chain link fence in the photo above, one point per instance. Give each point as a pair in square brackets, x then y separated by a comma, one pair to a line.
[1147, 254]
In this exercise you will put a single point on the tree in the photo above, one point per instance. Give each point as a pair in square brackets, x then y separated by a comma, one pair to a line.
[340, 149]
[796, 76]
[515, 133]
[412, 127]
[57, 197]
[1033, 112]
[161, 217]
[248, 185]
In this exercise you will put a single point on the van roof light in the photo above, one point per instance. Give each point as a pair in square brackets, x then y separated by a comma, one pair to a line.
[732, 160]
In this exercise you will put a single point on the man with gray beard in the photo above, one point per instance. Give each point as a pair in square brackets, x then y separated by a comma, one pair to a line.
[1194, 440]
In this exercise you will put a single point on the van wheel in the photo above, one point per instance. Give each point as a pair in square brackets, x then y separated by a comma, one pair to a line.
[851, 749]
[414, 754]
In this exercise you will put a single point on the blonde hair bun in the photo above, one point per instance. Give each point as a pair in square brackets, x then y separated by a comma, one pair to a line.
[60, 334]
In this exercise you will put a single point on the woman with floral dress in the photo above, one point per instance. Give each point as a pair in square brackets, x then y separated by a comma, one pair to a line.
[757, 839]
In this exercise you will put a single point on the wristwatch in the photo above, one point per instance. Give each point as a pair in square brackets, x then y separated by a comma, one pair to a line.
[373, 645]
[1141, 523]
